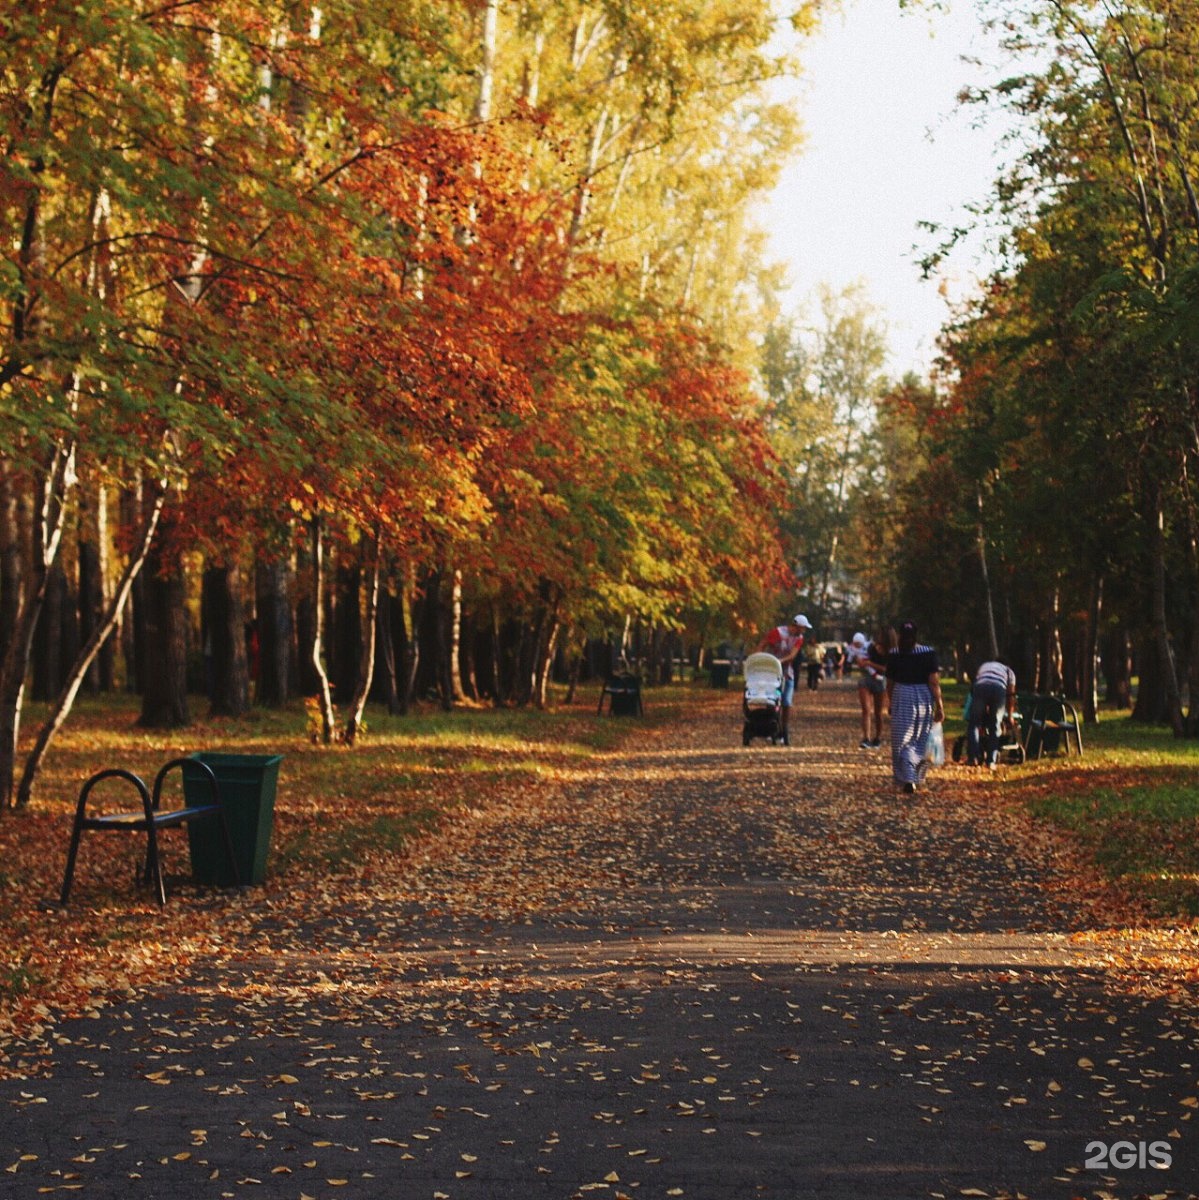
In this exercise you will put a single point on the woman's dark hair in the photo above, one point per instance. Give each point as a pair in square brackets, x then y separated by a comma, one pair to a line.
[907, 635]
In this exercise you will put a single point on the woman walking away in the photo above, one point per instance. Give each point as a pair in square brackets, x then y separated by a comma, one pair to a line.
[914, 688]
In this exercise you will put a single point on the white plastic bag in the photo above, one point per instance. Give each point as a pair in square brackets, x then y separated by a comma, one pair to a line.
[935, 753]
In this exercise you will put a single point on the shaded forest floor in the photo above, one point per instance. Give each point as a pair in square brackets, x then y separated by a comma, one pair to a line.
[669, 967]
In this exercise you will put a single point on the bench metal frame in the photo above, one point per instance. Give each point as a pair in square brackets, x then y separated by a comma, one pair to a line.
[1056, 719]
[148, 820]
[623, 686]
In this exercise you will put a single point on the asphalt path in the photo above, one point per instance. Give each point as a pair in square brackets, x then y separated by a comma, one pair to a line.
[696, 970]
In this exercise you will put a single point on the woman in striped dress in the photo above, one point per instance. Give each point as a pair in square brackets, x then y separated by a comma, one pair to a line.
[914, 688]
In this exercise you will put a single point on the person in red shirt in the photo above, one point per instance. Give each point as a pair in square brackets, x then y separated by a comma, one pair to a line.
[785, 642]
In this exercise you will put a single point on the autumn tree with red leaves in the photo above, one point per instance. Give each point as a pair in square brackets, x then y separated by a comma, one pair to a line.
[290, 277]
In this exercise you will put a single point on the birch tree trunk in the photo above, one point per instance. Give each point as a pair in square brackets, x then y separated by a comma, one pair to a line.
[443, 620]
[57, 476]
[485, 96]
[95, 592]
[13, 519]
[97, 638]
[366, 663]
[988, 599]
[545, 663]
[455, 650]
[411, 615]
[498, 677]
[56, 483]
[1138, 120]
[386, 677]
[1161, 632]
[324, 694]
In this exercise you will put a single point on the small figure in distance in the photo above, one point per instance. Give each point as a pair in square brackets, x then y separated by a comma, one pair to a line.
[785, 642]
[832, 660]
[814, 656]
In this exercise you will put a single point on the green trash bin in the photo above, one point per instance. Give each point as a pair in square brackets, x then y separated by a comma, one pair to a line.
[247, 788]
[721, 670]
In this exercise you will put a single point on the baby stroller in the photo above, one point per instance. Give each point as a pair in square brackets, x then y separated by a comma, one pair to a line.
[763, 702]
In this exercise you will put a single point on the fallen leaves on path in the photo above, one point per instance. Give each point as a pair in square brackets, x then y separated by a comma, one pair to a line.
[511, 851]
[521, 947]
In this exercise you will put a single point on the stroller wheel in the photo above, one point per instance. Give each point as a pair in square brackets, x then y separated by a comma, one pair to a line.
[746, 736]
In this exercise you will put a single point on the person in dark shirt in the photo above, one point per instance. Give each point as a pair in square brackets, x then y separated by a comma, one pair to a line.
[914, 689]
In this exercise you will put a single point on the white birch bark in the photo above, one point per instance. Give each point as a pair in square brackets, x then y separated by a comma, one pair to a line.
[325, 692]
[366, 660]
[87, 655]
[484, 98]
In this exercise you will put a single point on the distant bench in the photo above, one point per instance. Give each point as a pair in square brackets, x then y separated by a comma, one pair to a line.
[623, 693]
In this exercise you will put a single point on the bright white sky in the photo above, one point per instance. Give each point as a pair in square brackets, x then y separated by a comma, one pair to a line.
[886, 146]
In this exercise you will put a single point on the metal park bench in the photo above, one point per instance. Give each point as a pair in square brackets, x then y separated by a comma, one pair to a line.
[1052, 723]
[623, 693]
[149, 819]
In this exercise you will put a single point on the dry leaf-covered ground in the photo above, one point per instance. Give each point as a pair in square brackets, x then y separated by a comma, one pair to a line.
[683, 968]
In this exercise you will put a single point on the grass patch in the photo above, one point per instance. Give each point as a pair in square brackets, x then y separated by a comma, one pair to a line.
[18, 981]
[1132, 803]
[953, 696]
[349, 843]
[1144, 836]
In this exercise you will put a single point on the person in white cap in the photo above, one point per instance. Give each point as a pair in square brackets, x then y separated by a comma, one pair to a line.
[785, 642]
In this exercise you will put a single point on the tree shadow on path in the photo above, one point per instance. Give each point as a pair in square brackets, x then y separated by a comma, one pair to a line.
[698, 970]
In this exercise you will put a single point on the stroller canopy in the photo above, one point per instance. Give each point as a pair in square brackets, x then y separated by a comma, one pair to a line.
[763, 682]
[763, 671]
